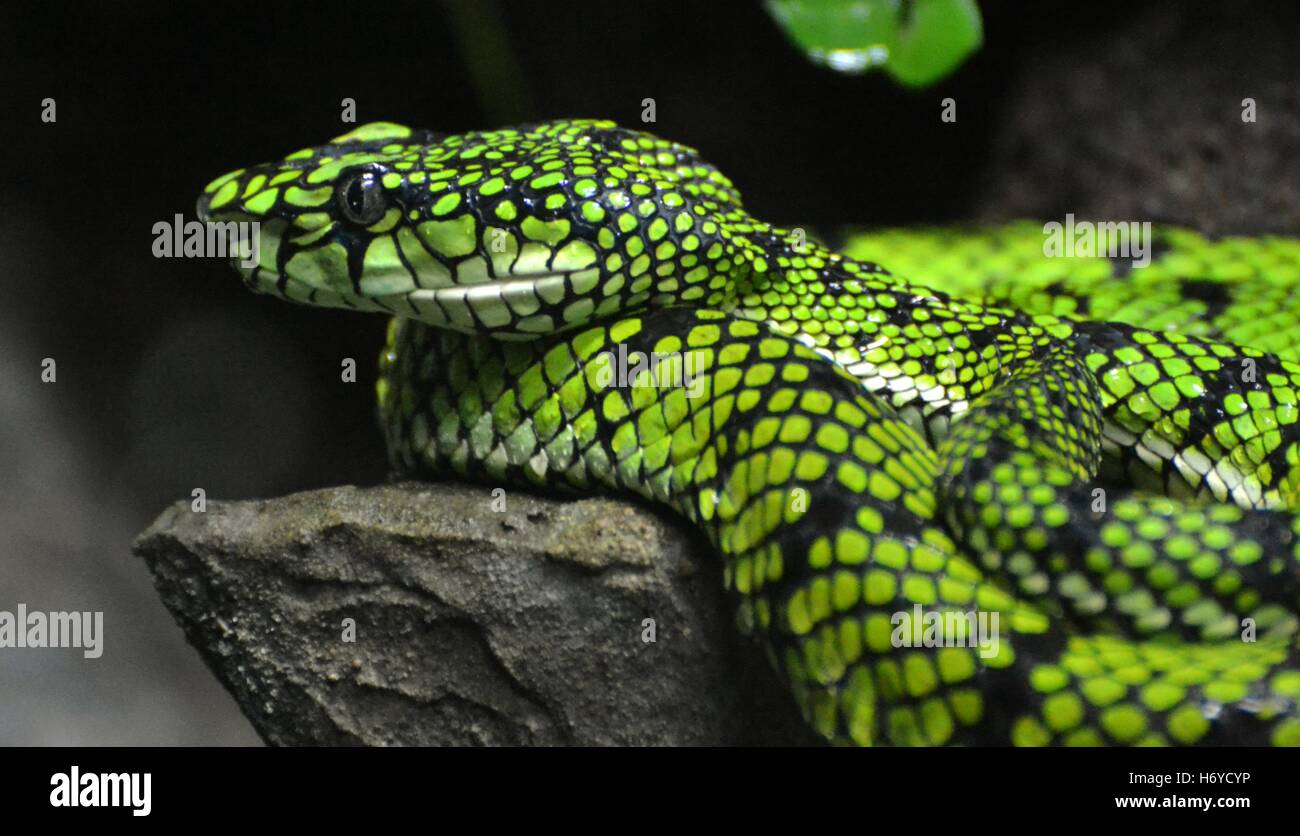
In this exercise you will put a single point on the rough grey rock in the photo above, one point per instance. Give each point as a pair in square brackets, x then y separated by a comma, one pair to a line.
[472, 626]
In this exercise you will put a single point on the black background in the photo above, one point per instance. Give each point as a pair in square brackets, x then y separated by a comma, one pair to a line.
[543, 788]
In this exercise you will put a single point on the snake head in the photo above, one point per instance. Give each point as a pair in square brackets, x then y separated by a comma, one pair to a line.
[515, 232]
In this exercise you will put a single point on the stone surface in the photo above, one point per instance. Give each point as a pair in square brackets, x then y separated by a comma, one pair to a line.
[472, 625]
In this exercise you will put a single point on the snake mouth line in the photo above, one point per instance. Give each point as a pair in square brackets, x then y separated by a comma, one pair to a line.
[514, 303]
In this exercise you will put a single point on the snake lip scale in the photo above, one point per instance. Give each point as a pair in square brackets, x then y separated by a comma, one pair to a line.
[1102, 459]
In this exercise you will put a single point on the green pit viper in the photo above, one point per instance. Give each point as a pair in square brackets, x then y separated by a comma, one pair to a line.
[1106, 458]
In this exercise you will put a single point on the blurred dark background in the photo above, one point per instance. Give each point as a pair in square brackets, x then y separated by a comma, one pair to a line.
[171, 376]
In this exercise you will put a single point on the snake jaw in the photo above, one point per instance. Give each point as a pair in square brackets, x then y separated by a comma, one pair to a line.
[511, 307]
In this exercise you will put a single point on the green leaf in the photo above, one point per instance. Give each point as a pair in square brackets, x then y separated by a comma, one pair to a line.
[917, 42]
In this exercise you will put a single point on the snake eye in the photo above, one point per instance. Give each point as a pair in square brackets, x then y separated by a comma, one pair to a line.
[361, 198]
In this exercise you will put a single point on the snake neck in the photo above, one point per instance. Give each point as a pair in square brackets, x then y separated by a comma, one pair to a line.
[895, 337]
[772, 270]
[833, 301]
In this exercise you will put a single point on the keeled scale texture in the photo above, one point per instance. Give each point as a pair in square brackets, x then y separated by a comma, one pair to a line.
[855, 444]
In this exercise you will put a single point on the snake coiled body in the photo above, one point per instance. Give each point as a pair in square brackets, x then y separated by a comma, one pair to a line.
[1100, 463]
